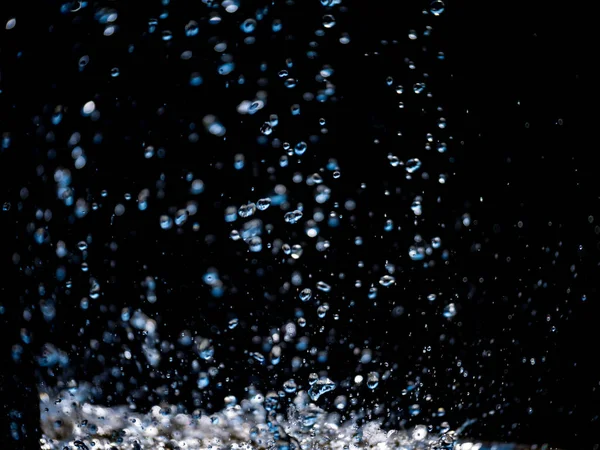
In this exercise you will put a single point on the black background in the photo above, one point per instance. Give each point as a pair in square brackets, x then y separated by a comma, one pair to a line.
[512, 87]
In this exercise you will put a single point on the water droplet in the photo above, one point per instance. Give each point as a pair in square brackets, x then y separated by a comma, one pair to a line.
[181, 217]
[88, 108]
[248, 25]
[416, 206]
[412, 165]
[166, 222]
[191, 28]
[196, 79]
[296, 251]
[266, 129]
[437, 7]
[290, 386]
[293, 216]
[372, 380]
[322, 286]
[418, 88]
[387, 280]
[450, 311]
[419, 433]
[322, 310]
[320, 387]
[263, 203]
[328, 21]
[255, 244]
[305, 294]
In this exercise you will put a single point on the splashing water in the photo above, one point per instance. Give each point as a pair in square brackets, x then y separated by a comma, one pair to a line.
[275, 227]
[69, 421]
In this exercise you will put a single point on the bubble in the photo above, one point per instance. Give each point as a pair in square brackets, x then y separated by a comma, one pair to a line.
[437, 7]
[431, 297]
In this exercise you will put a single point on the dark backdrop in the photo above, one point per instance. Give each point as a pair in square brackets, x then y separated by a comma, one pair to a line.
[520, 163]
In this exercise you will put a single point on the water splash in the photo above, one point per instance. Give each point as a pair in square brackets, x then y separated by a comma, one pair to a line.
[69, 421]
